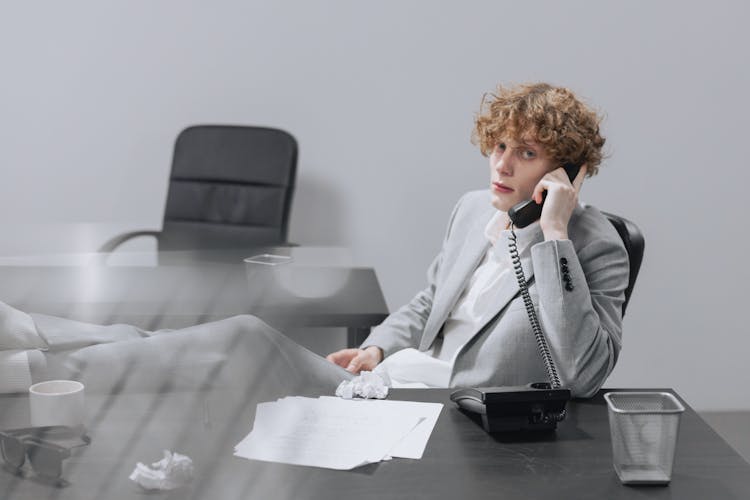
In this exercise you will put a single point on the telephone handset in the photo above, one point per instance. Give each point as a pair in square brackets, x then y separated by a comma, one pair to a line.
[536, 406]
[526, 212]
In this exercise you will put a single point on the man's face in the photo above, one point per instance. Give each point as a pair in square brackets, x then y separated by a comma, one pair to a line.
[515, 169]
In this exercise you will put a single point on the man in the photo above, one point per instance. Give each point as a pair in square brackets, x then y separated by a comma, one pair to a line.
[469, 326]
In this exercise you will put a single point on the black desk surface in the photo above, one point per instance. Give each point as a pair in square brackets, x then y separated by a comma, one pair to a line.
[190, 292]
[461, 460]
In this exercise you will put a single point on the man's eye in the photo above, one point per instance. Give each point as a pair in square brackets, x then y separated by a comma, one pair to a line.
[501, 146]
[528, 154]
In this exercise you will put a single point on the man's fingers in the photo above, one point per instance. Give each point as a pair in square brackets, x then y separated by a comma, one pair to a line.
[578, 181]
[342, 357]
[538, 190]
[354, 360]
[354, 364]
[336, 360]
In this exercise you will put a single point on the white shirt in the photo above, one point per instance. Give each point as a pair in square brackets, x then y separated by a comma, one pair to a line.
[432, 368]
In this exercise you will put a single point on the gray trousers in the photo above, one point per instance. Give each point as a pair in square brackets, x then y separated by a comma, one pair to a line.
[241, 353]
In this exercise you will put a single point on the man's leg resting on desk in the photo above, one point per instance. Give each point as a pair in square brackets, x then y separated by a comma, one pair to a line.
[241, 352]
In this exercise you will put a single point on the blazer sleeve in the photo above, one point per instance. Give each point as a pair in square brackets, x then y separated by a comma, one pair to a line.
[580, 308]
[404, 328]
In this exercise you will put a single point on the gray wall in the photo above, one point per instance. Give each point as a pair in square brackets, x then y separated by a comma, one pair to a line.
[381, 96]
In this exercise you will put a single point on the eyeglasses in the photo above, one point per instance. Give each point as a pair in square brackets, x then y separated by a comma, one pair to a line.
[44, 456]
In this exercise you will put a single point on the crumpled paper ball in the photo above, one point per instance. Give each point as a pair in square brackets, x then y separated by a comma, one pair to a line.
[367, 385]
[172, 471]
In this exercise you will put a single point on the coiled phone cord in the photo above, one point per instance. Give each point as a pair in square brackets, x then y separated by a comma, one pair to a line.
[541, 342]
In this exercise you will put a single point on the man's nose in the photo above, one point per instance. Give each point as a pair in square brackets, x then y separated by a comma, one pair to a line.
[504, 165]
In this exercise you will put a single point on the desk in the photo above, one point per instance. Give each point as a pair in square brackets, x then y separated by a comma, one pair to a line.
[188, 288]
[461, 460]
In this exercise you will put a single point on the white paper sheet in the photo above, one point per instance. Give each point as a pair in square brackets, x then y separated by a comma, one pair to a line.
[338, 434]
[311, 432]
[414, 444]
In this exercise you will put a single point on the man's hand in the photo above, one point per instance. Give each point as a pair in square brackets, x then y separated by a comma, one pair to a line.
[562, 198]
[356, 360]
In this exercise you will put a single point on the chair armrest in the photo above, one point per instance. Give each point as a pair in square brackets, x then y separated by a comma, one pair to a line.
[118, 240]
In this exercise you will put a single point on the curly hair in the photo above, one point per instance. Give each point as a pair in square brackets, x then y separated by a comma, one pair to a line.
[566, 128]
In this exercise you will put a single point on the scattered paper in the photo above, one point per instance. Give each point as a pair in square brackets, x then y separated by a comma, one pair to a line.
[367, 385]
[172, 471]
[414, 444]
[338, 434]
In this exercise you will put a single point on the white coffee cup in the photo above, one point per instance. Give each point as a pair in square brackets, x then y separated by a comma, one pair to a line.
[57, 402]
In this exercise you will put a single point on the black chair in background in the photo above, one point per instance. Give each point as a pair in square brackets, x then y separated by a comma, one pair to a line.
[230, 187]
[634, 244]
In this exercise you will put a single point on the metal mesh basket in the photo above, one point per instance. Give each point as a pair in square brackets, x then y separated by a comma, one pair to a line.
[644, 427]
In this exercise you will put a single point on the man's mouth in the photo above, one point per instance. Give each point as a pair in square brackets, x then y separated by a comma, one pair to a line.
[501, 188]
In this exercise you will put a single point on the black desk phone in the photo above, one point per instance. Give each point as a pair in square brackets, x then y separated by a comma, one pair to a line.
[533, 407]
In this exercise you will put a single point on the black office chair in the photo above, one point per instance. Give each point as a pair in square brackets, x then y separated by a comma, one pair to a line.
[634, 244]
[230, 186]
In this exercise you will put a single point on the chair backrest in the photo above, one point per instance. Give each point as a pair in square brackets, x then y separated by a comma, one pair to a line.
[229, 186]
[634, 244]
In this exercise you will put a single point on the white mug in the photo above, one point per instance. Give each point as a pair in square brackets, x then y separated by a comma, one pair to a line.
[57, 402]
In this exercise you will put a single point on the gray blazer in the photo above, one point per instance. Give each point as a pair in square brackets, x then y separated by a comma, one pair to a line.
[583, 325]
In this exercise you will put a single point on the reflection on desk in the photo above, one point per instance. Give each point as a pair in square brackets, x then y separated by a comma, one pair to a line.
[461, 460]
[187, 288]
